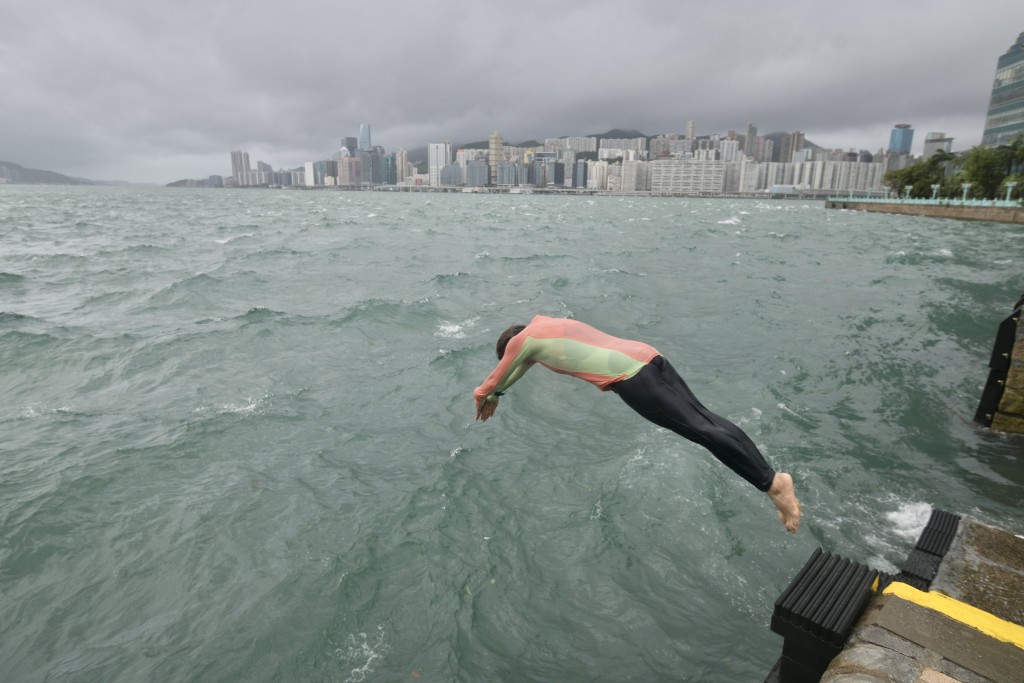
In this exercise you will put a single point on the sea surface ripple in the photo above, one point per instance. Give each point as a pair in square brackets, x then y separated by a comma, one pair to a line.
[238, 438]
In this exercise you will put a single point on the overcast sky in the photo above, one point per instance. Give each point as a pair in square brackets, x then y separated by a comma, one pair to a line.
[159, 91]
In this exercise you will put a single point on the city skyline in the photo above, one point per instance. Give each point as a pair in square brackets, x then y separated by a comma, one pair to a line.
[111, 91]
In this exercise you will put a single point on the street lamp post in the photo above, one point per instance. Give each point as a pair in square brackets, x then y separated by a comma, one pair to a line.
[1009, 190]
[907, 189]
[935, 191]
[966, 187]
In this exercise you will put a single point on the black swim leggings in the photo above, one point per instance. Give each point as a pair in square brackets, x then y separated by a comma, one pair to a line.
[659, 394]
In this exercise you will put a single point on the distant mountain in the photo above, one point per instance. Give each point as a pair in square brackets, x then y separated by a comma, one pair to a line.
[777, 138]
[618, 134]
[17, 174]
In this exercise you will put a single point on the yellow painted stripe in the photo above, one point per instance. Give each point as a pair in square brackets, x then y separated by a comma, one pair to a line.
[989, 624]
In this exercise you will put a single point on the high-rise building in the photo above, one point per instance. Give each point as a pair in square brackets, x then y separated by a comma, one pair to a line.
[691, 129]
[901, 138]
[791, 144]
[750, 142]
[239, 165]
[933, 142]
[439, 155]
[1005, 120]
[494, 143]
[401, 165]
[364, 136]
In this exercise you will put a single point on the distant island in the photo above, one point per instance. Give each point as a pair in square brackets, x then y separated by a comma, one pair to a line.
[11, 172]
[16, 174]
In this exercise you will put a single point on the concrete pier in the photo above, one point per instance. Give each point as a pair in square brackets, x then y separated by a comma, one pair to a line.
[968, 627]
[996, 214]
[953, 614]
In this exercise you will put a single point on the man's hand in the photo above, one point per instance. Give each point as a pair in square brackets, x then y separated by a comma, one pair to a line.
[486, 409]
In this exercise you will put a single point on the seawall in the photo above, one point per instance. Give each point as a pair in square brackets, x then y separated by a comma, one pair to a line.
[953, 614]
[1002, 402]
[996, 214]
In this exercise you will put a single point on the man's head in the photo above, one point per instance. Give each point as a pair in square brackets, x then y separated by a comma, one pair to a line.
[505, 337]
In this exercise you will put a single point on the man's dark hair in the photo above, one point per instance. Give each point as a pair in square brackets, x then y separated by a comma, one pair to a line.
[505, 337]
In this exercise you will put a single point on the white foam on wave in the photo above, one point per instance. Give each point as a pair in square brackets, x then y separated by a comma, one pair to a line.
[733, 220]
[251, 405]
[455, 330]
[363, 650]
[236, 237]
[909, 519]
[899, 533]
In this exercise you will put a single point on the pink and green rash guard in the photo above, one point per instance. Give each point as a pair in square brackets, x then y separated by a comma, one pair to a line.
[568, 347]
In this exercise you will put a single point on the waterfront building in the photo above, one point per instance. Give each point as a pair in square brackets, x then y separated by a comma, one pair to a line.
[508, 173]
[463, 157]
[597, 175]
[439, 155]
[579, 178]
[677, 176]
[450, 175]
[494, 154]
[568, 159]
[478, 173]
[901, 138]
[390, 169]
[240, 168]
[350, 171]
[635, 176]
[323, 170]
[310, 177]
[401, 165]
[1005, 119]
[364, 136]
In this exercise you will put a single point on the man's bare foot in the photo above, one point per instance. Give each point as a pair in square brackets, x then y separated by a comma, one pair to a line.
[784, 498]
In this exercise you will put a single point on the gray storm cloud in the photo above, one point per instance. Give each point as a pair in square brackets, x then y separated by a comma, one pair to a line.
[160, 91]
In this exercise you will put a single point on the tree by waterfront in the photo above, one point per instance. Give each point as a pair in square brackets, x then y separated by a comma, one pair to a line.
[987, 170]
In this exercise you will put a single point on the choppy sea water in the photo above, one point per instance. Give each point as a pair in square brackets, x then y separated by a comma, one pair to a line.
[237, 436]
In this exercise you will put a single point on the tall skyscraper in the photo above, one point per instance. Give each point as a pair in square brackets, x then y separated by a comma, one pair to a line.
[1005, 120]
[901, 138]
[691, 129]
[494, 156]
[364, 136]
[401, 165]
[439, 155]
[791, 144]
[750, 142]
[239, 165]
